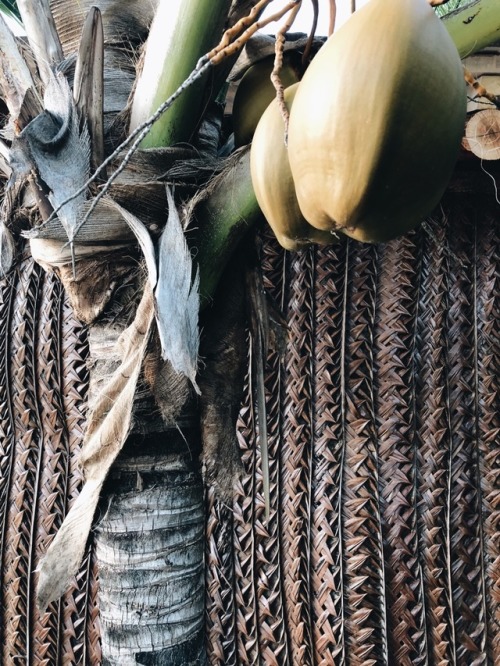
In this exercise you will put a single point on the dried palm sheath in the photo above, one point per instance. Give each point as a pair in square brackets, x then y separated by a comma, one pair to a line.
[383, 544]
[43, 388]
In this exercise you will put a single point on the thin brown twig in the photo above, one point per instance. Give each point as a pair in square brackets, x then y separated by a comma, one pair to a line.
[278, 63]
[238, 27]
[220, 52]
[307, 50]
[480, 89]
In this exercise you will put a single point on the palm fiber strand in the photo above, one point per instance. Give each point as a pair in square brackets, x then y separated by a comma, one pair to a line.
[366, 617]
[18, 556]
[220, 623]
[466, 530]
[397, 359]
[275, 639]
[244, 542]
[488, 309]
[435, 448]
[298, 459]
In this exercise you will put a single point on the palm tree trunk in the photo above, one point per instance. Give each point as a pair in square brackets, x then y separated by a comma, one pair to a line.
[149, 546]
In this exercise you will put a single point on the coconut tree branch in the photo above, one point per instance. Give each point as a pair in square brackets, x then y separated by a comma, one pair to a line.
[474, 25]
[220, 217]
[180, 34]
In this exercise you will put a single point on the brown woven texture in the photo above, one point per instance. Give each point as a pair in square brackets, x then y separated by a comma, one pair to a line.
[43, 382]
[383, 543]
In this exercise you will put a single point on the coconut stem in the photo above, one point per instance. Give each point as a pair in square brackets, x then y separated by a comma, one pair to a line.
[480, 89]
[182, 31]
[333, 16]
[474, 26]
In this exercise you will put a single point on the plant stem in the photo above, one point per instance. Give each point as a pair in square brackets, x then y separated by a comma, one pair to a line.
[182, 31]
[474, 25]
[222, 219]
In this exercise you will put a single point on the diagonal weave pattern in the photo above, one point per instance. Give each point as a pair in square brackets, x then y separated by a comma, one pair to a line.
[383, 545]
[43, 384]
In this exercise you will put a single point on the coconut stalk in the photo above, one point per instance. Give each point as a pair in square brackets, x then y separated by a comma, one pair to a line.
[222, 221]
[181, 32]
[474, 25]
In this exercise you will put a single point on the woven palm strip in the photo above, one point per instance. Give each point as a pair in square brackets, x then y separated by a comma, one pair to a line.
[387, 521]
[469, 600]
[297, 464]
[329, 435]
[271, 579]
[220, 571]
[488, 307]
[43, 385]
[243, 542]
[366, 617]
[434, 453]
[397, 356]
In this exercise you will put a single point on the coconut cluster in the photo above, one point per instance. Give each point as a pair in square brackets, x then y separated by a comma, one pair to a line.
[374, 132]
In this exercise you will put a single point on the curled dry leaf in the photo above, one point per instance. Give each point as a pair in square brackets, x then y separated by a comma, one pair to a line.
[108, 428]
[177, 299]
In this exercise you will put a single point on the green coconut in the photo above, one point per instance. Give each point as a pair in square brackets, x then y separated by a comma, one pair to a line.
[376, 124]
[256, 91]
[273, 183]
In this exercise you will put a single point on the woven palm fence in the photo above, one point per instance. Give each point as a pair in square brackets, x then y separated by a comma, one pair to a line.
[383, 541]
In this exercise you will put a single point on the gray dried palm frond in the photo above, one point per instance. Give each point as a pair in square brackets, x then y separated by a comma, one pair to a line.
[42, 36]
[177, 298]
[15, 75]
[54, 146]
[121, 54]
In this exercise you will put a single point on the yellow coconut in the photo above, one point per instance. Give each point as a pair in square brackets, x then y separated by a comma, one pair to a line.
[377, 121]
[273, 184]
[255, 92]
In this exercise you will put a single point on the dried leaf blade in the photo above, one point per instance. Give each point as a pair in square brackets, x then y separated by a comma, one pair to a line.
[177, 299]
[108, 428]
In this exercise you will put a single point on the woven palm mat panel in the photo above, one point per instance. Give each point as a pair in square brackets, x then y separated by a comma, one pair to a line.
[43, 382]
[383, 541]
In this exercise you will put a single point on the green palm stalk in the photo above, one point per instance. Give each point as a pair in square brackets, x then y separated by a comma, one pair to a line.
[472, 24]
[182, 32]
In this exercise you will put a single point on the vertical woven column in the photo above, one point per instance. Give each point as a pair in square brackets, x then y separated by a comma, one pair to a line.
[383, 540]
[43, 384]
